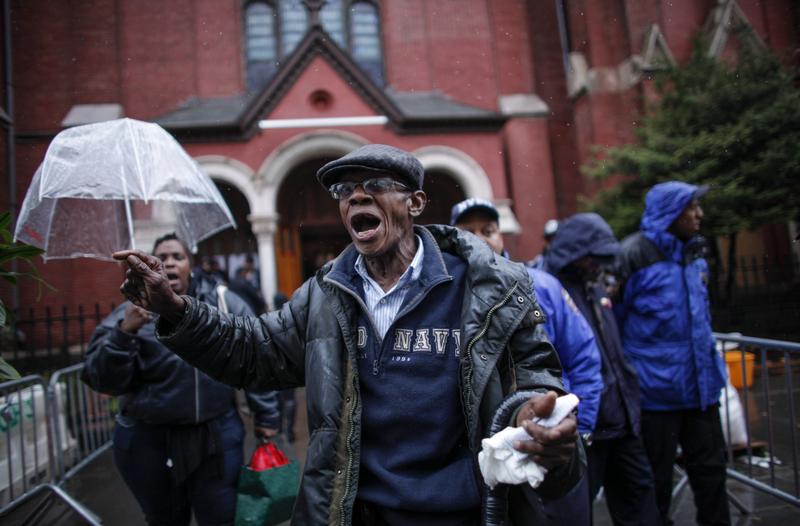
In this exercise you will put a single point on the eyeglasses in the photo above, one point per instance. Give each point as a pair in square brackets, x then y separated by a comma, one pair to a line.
[378, 185]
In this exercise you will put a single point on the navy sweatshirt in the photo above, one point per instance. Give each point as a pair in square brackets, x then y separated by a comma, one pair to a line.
[414, 454]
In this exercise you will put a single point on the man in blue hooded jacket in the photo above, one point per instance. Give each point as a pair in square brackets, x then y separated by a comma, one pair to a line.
[616, 457]
[666, 331]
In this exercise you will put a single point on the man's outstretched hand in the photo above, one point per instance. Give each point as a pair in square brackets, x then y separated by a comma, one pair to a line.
[146, 285]
[551, 446]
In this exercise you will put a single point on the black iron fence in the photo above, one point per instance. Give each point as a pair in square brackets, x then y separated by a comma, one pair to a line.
[38, 341]
[761, 298]
[753, 275]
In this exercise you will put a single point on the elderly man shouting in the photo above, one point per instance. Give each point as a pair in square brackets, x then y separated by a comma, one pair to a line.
[410, 343]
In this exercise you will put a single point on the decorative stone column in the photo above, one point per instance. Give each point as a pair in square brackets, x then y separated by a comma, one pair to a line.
[264, 228]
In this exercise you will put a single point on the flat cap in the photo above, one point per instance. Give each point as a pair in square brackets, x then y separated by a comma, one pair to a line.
[379, 158]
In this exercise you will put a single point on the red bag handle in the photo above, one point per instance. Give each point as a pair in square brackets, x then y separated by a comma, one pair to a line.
[266, 456]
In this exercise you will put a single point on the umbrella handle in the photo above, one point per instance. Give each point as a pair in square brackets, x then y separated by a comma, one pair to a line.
[128, 212]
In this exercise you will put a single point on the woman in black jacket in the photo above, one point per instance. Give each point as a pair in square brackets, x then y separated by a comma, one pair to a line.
[178, 438]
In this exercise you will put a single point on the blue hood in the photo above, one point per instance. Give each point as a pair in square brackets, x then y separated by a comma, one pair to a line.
[578, 236]
[665, 202]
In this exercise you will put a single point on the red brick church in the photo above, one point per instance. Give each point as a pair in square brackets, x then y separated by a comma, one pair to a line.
[499, 99]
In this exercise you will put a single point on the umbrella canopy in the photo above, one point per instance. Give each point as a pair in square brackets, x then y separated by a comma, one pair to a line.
[98, 182]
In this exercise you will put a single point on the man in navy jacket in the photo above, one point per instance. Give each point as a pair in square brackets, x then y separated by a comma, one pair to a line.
[666, 332]
[616, 458]
[414, 344]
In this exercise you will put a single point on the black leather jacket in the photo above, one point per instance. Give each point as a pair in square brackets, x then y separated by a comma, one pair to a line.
[312, 340]
[155, 385]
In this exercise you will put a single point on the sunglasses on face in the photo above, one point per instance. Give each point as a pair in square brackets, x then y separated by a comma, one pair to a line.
[377, 185]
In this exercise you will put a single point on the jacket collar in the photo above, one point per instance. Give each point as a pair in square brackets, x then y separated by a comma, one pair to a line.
[670, 246]
[411, 274]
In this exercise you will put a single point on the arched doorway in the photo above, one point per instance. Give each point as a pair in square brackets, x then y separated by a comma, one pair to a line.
[310, 231]
[443, 192]
[230, 248]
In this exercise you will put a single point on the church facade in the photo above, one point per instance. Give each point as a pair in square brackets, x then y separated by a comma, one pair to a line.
[502, 100]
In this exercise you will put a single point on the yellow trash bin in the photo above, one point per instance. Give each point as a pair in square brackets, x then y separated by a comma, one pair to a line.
[733, 359]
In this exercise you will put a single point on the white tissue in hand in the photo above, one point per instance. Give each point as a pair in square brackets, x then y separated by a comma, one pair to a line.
[500, 462]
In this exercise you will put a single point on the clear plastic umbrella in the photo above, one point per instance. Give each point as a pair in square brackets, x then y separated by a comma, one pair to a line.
[100, 182]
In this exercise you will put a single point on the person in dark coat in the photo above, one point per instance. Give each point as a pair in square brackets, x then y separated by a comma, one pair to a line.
[666, 331]
[178, 439]
[617, 460]
[244, 285]
[414, 344]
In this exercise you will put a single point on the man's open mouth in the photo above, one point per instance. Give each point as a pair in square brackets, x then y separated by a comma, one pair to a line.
[364, 225]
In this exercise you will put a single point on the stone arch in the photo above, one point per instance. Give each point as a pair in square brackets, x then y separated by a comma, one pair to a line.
[219, 168]
[265, 183]
[233, 172]
[295, 151]
[240, 176]
[463, 168]
[472, 178]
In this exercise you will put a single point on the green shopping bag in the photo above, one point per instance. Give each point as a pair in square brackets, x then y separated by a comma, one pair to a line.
[267, 488]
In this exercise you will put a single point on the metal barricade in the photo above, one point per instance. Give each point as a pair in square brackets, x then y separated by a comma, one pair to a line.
[86, 415]
[767, 458]
[759, 420]
[49, 432]
[26, 458]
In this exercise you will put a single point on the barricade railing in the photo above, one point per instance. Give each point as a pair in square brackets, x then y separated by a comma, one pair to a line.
[26, 458]
[48, 432]
[759, 419]
[763, 451]
[88, 415]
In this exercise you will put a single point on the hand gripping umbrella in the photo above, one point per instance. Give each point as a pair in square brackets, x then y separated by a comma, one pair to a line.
[98, 182]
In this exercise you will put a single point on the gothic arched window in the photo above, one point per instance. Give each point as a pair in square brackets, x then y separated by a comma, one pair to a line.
[261, 51]
[333, 21]
[274, 28]
[365, 39]
[294, 23]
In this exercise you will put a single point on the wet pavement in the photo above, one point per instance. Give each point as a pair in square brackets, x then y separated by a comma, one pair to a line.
[100, 488]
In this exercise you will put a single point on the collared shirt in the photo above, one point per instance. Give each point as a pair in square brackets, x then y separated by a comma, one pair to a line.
[384, 306]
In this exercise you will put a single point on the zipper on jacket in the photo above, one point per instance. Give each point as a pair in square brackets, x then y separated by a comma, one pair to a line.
[350, 432]
[480, 334]
[349, 448]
